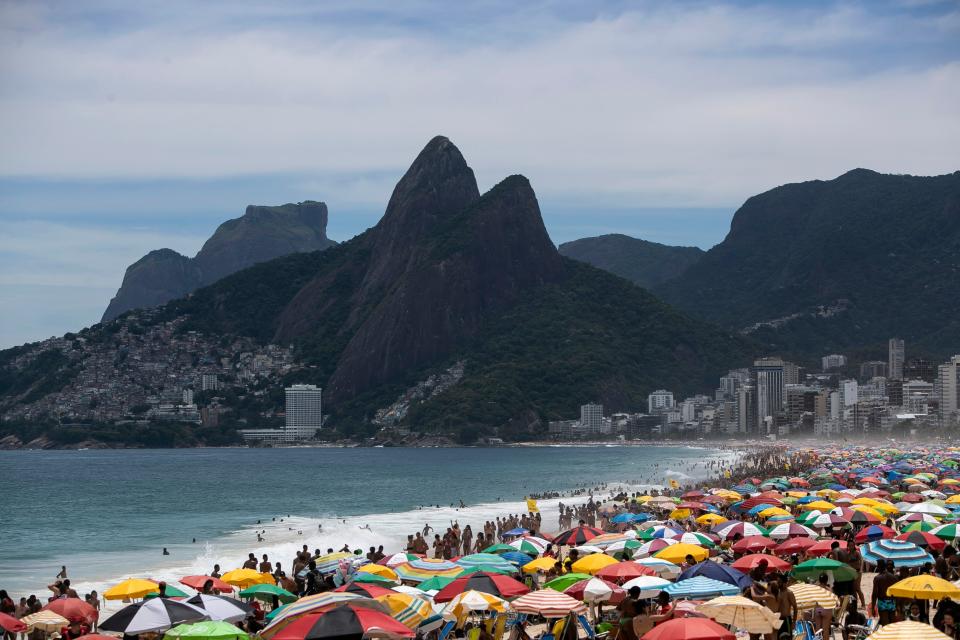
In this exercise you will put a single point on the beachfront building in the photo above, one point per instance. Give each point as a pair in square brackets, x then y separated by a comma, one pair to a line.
[948, 383]
[591, 417]
[659, 401]
[895, 352]
[304, 414]
[770, 391]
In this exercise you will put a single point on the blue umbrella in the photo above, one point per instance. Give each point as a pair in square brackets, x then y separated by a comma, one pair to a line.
[900, 552]
[718, 572]
[517, 558]
[519, 531]
[622, 518]
[700, 587]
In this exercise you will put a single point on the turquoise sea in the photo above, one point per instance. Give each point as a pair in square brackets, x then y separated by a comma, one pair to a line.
[109, 514]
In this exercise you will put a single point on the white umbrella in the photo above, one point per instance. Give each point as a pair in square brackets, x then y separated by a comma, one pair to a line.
[924, 517]
[649, 586]
[742, 613]
[664, 568]
[45, 620]
[928, 508]
[588, 549]
[156, 614]
[221, 608]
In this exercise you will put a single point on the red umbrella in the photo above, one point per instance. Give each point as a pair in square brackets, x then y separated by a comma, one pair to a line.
[344, 623]
[11, 624]
[577, 536]
[858, 517]
[793, 545]
[924, 540]
[495, 584]
[747, 563]
[365, 589]
[823, 547]
[874, 532]
[750, 503]
[577, 588]
[197, 582]
[912, 497]
[691, 505]
[74, 610]
[753, 544]
[623, 571]
[689, 629]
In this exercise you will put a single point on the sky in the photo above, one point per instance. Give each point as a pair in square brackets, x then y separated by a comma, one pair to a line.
[127, 126]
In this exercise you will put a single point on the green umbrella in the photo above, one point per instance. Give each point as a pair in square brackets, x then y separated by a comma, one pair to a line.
[489, 569]
[273, 614]
[564, 581]
[266, 592]
[813, 568]
[206, 630]
[921, 526]
[499, 548]
[435, 583]
[373, 578]
[170, 592]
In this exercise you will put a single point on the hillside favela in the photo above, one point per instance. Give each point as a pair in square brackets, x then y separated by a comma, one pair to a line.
[479, 320]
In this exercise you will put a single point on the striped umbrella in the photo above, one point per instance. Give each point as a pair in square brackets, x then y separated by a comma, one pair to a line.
[315, 604]
[398, 558]
[652, 547]
[734, 528]
[923, 539]
[902, 554]
[576, 536]
[742, 613]
[649, 586]
[424, 568]
[470, 601]
[948, 532]
[791, 530]
[331, 562]
[623, 545]
[220, 608]
[596, 590]
[696, 538]
[493, 583]
[908, 630]
[549, 604]
[530, 545]
[364, 589]
[664, 568]
[156, 614]
[44, 621]
[408, 609]
[659, 531]
[809, 596]
[344, 623]
[700, 587]
[485, 562]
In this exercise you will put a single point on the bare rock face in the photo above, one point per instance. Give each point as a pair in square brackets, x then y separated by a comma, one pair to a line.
[261, 234]
[441, 258]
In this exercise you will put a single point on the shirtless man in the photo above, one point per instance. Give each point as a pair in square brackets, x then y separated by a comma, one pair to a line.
[884, 605]
[265, 566]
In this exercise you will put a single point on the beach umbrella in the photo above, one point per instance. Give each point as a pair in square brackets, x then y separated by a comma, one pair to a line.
[652, 547]
[753, 544]
[486, 562]
[924, 587]
[471, 601]
[531, 545]
[717, 571]
[408, 609]
[659, 531]
[747, 563]
[858, 517]
[197, 582]
[424, 568]
[548, 603]
[221, 608]
[908, 630]
[742, 613]
[623, 571]
[244, 578]
[131, 589]
[371, 578]
[169, 591]
[929, 509]
[649, 586]
[47, 621]
[689, 629]
[923, 539]
[156, 614]
[576, 536]
[811, 569]
[711, 519]
[948, 532]
[348, 622]
[809, 596]
[74, 610]
[596, 590]
[398, 558]
[700, 587]
[539, 564]
[696, 538]
[677, 553]
[664, 568]
[266, 592]
[920, 525]
[206, 630]
[823, 547]
[435, 583]
[318, 603]
[734, 528]
[623, 545]
[11, 624]
[593, 563]
[874, 532]
[379, 570]
[561, 583]
[588, 549]
[365, 589]
[902, 554]
[791, 530]
[493, 583]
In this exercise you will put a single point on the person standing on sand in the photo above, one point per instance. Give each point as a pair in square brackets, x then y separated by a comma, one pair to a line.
[467, 538]
[265, 566]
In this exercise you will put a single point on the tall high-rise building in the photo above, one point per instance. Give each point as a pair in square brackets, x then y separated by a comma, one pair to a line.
[919, 369]
[833, 361]
[746, 409]
[895, 359]
[209, 382]
[949, 386]
[591, 417]
[873, 369]
[660, 400]
[304, 412]
[770, 383]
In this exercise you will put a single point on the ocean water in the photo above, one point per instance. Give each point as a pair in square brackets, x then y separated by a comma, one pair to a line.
[107, 515]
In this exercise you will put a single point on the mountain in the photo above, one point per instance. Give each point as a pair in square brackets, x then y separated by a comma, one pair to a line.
[826, 265]
[451, 275]
[640, 261]
[261, 234]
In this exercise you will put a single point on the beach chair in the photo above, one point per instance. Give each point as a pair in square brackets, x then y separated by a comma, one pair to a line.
[803, 630]
[836, 625]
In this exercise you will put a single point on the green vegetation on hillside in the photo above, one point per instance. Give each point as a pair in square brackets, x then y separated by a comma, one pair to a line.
[644, 263]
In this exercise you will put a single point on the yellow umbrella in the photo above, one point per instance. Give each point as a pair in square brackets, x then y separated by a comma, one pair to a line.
[469, 601]
[593, 563]
[908, 630]
[797, 494]
[819, 505]
[540, 564]
[131, 588]
[680, 514]
[644, 499]
[742, 613]
[728, 494]
[924, 587]
[954, 499]
[379, 570]
[774, 511]
[711, 518]
[809, 596]
[828, 493]
[865, 509]
[45, 621]
[407, 609]
[244, 578]
[677, 553]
